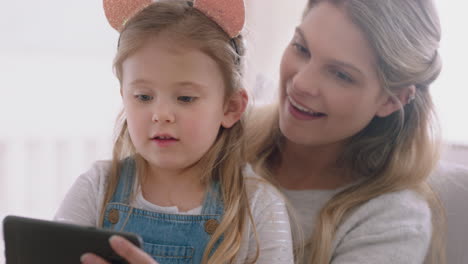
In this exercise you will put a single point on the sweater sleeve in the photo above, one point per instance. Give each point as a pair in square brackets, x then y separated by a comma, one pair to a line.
[83, 201]
[393, 228]
[272, 226]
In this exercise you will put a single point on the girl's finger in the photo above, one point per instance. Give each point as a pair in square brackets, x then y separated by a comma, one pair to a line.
[130, 252]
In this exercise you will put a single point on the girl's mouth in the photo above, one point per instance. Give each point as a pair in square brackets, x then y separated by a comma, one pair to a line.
[164, 140]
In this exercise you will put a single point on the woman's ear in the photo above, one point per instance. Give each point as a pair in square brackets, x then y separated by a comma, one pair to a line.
[234, 108]
[395, 103]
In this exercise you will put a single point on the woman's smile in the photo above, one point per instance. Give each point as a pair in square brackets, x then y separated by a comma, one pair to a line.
[302, 113]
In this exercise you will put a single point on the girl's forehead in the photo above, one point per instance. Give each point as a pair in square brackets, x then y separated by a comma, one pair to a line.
[162, 62]
[170, 41]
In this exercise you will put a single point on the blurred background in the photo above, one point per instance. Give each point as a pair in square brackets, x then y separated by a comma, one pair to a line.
[59, 97]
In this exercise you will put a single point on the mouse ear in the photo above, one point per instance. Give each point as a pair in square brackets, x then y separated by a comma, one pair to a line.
[229, 14]
[118, 12]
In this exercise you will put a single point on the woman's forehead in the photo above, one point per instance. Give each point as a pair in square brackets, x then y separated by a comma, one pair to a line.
[328, 28]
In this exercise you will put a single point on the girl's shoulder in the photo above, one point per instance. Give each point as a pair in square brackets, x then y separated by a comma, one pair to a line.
[82, 203]
[99, 168]
[94, 178]
[97, 174]
[261, 192]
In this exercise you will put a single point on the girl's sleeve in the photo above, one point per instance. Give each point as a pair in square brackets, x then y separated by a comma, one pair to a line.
[272, 225]
[392, 229]
[82, 203]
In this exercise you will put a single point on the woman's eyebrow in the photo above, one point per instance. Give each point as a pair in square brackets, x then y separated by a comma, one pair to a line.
[350, 66]
[301, 34]
[347, 65]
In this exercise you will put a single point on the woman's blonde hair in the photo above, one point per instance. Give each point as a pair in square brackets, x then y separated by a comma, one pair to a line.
[225, 159]
[392, 153]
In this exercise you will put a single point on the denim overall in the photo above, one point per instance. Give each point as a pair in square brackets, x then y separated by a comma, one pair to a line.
[168, 238]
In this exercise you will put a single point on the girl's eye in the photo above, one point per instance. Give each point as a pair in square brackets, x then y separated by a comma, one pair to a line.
[342, 76]
[300, 49]
[143, 97]
[186, 99]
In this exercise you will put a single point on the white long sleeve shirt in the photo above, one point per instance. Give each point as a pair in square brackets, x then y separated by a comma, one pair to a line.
[83, 204]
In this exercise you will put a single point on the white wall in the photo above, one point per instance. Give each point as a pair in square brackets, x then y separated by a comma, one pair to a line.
[55, 66]
[270, 27]
[59, 98]
[451, 89]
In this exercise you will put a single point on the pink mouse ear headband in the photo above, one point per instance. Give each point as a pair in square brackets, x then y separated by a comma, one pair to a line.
[228, 14]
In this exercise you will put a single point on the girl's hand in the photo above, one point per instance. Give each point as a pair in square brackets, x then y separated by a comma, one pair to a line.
[123, 248]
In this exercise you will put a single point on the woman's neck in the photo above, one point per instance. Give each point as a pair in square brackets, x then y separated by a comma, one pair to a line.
[305, 167]
[181, 188]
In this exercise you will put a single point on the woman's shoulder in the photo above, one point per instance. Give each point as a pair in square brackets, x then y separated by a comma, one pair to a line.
[405, 208]
[396, 215]
[405, 202]
[395, 226]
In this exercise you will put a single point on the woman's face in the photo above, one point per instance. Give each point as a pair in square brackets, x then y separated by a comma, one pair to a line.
[329, 88]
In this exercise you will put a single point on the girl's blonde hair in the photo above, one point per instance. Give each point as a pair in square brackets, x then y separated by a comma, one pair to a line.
[392, 153]
[225, 159]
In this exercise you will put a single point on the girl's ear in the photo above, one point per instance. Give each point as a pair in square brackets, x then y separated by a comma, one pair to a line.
[234, 108]
[395, 103]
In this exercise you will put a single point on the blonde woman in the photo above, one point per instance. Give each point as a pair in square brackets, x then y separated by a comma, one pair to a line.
[178, 175]
[352, 140]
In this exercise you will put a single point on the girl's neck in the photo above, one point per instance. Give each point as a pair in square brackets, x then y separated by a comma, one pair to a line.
[305, 167]
[180, 177]
[181, 188]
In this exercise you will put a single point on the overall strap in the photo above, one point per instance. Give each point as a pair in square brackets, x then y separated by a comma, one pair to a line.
[126, 181]
[213, 203]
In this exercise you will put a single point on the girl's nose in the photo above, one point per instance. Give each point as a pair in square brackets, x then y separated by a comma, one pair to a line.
[163, 115]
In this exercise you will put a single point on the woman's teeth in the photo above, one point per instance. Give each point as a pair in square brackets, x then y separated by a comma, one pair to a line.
[305, 110]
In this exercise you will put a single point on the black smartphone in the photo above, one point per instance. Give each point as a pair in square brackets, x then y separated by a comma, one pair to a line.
[32, 241]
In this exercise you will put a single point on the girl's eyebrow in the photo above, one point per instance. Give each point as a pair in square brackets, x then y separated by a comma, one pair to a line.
[139, 81]
[188, 84]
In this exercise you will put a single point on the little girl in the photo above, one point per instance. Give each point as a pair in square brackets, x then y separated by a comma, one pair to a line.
[177, 176]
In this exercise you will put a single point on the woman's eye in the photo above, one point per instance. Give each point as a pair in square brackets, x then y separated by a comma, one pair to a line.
[301, 49]
[143, 97]
[342, 76]
[186, 99]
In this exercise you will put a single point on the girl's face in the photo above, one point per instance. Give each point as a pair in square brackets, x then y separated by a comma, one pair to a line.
[329, 88]
[174, 103]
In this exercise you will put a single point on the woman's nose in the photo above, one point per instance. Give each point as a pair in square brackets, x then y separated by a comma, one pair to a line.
[307, 80]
